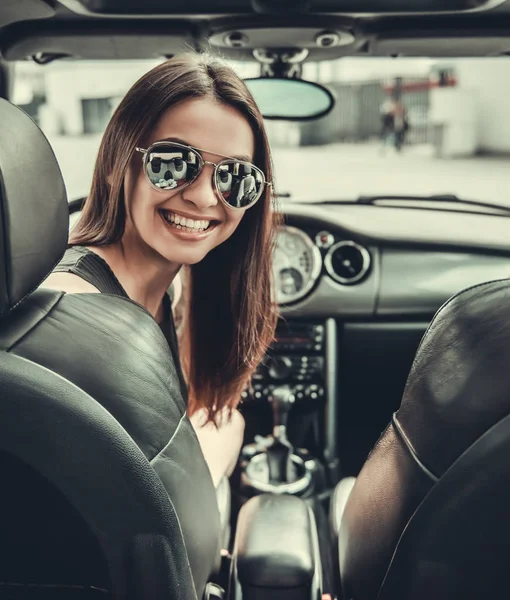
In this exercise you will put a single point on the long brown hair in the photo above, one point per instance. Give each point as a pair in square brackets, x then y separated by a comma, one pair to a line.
[230, 314]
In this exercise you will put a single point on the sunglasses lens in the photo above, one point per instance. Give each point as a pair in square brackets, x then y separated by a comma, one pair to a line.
[169, 167]
[240, 184]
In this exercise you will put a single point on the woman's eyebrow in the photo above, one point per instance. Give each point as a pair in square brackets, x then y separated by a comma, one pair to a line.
[243, 157]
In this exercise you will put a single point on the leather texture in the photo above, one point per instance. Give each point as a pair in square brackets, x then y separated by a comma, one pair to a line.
[274, 543]
[104, 363]
[128, 369]
[34, 217]
[457, 544]
[427, 508]
[224, 500]
[101, 483]
[339, 499]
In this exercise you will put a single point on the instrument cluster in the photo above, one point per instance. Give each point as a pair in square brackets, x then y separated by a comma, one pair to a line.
[297, 264]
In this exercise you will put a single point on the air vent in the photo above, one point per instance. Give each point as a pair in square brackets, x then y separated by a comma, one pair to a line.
[347, 262]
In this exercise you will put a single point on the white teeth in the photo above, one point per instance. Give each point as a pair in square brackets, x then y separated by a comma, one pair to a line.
[183, 222]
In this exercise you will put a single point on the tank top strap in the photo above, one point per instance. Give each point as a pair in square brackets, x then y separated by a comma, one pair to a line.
[90, 267]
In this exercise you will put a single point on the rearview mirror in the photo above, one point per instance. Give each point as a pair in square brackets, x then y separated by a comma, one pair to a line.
[290, 99]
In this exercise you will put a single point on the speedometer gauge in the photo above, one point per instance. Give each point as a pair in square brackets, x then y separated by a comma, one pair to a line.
[297, 264]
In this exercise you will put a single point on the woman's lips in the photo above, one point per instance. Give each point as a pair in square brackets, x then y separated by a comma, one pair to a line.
[187, 233]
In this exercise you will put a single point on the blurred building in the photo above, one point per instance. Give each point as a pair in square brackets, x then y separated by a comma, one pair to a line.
[459, 106]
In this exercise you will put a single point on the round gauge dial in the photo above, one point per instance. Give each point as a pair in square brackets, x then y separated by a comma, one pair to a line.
[297, 264]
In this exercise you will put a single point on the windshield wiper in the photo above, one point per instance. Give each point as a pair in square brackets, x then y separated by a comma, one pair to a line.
[447, 198]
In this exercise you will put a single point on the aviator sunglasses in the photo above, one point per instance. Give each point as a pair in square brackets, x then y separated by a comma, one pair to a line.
[173, 166]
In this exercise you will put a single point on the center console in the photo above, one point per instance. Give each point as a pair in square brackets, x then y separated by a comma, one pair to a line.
[288, 465]
[276, 552]
[295, 381]
[297, 359]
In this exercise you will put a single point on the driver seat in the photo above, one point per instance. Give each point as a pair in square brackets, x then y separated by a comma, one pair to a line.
[103, 478]
[428, 516]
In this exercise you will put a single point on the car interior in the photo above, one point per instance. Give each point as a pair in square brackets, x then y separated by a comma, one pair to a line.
[377, 441]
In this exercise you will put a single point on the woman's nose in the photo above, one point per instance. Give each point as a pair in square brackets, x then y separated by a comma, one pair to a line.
[202, 192]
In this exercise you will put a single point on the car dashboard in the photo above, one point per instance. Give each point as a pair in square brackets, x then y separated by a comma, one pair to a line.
[357, 287]
[349, 261]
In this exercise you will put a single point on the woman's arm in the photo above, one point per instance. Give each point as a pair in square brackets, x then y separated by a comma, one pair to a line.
[220, 445]
[177, 285]
[69, 283]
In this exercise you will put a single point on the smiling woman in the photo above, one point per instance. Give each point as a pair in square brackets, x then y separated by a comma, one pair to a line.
[189, 191]
[182, 179]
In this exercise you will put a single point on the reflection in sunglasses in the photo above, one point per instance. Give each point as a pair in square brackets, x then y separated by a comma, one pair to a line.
[168, 167]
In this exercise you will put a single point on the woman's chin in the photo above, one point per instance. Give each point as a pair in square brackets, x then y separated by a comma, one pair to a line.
[181, 256]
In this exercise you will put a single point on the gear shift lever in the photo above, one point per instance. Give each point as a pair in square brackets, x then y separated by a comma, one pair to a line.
[273, 465]
[279, 452]
[281, 400]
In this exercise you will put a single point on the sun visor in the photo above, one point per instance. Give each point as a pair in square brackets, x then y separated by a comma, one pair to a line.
[440, 44]
[12, 11]
[96, 45]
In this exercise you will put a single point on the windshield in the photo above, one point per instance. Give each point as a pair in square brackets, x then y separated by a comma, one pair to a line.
[400, 126]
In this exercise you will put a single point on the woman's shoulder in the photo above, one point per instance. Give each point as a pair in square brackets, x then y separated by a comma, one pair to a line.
[86, 271]
[67, 276]
[72, 256]
[69, 283]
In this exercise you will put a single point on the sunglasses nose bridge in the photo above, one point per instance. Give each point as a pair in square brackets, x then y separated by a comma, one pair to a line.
[214, 172]
[202, 190]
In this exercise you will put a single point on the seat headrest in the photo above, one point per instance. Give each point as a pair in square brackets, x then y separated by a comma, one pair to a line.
[34, 215]
[458, 387]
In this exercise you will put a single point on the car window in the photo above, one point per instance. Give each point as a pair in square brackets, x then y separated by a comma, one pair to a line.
[400, 126]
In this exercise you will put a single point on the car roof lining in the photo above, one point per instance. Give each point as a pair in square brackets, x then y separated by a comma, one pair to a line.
[61, 32]
[141, 8]
[136, 43]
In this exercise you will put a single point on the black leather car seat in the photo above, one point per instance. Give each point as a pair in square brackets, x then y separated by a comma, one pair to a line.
[428, 516]
[62, 510]
[83, 513]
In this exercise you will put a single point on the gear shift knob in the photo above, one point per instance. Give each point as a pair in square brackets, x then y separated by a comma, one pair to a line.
[281, 399]
[286, 470]
[279, 452]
